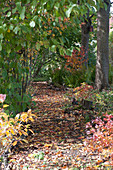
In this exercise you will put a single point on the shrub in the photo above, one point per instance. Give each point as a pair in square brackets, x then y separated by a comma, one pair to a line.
[100, 136]
[76, 60]
[84, 91]
[12, 129]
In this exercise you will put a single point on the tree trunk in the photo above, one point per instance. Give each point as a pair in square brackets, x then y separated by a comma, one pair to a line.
[102, 62]
[85, 42]
[85, 30]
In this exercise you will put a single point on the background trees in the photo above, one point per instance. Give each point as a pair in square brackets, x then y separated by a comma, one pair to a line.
[35, 33]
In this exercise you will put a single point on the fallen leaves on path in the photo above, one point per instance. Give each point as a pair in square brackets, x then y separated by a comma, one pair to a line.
[57, 142]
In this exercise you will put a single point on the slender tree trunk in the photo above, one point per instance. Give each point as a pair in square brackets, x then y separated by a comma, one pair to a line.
[85, 44]
[102, 62]
[85, 30]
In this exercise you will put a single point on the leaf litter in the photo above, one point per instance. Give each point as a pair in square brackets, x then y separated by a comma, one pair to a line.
[58, 138]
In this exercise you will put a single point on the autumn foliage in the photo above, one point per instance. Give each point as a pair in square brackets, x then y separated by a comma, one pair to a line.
[76, 60]
[100, 139]
[84, 91]
[12, 129]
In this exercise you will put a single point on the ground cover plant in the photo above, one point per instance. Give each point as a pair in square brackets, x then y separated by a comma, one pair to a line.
[101, 139]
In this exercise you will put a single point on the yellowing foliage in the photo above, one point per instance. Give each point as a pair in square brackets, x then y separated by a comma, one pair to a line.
[11, 129]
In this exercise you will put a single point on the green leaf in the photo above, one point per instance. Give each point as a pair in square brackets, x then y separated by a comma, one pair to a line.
[9, 14]
[57, 5]
[34, 2]
[18, 4]
[55, 42]
[4, 73]
[6, 9]
[1, 36]
[28, 1]
[16, 30]
[46, 43]
[105, 6]
[32, 24]
[68, 12]
[0, 46]
[53, 48]
[8, 50]
[14, 10]
[1, 29]
[62, 40]
[11, 27]
[62, 51]
[38, 46]
[69, 52]
[22, 14]
[41, 156]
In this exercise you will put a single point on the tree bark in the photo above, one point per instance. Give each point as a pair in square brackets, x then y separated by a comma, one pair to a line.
[102, 62]
[85, 30]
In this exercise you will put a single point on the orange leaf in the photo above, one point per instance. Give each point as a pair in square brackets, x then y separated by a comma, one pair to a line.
[14, 143]
[48, 145]
[99, 161]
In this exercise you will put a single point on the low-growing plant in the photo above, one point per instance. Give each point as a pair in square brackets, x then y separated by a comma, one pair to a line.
[103, 100]
[84, 91]
[12, 129]
[100, 136]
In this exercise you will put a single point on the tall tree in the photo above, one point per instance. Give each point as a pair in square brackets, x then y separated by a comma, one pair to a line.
[102, 62]
[85, 30]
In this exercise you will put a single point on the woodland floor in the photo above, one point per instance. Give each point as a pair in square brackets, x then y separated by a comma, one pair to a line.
[57, 142]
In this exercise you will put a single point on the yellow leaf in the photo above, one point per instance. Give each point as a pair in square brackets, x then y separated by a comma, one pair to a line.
[12, 160]
[48, 145]
[8, 30]
[25, 133]
[25, 140]
[41, 42]
[31, 131]
[30, 155]
[33, 115]
[20, 133]
[7, 133]
[21, 142]
[12, 131]
[5, 105]
[14, 143]
[30, 118]
[26, 129]
[53, 35]
[24, 116]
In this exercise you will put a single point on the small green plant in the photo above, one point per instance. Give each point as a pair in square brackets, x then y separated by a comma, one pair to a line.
[39, 155]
